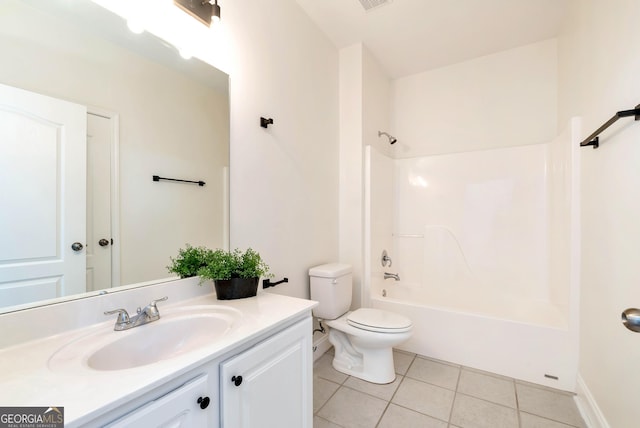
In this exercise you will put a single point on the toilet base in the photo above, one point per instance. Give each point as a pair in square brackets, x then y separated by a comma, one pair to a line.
[372, 365]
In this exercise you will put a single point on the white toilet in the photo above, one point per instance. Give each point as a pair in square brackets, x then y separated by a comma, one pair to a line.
[363, 339]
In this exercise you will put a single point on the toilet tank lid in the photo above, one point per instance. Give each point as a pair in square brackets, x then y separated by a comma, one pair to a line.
[330, 270]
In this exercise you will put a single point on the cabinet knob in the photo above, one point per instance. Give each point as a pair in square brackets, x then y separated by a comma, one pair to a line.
[203, 402]
[237, 380]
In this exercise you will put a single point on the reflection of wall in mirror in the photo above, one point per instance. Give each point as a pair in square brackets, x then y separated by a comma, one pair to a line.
[170, 125]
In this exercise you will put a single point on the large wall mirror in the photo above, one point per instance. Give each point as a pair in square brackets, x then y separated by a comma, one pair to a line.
[89, 113]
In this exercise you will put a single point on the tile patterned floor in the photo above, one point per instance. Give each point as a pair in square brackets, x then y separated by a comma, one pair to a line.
[434, 394]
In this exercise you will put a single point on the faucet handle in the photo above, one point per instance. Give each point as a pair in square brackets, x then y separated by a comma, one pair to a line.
[385, 260]
[153, 302]
[152, 309]
[123, 315]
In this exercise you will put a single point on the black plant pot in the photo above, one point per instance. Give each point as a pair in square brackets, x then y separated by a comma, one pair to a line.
[236, 288]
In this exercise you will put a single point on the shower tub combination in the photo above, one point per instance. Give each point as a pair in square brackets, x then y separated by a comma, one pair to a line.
[486, 247]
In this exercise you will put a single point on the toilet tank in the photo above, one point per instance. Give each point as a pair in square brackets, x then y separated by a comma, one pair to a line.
[331, 287]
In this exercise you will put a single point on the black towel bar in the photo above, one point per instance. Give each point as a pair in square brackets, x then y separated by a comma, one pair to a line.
[594, 140]
[158, 178]
[266, 283]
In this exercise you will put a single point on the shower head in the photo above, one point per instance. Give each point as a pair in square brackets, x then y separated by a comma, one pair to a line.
[392, 139]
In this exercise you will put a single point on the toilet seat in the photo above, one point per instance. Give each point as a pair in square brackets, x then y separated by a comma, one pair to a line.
[378, 320]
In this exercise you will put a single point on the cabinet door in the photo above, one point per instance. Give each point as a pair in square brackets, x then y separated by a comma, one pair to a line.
[275, 389]
[178, 409]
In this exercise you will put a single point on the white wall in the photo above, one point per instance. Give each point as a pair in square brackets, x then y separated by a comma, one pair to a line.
[376, 104]
[284, 179]
[170, 125]
[599, 68]
[364, 110]
[351, 165]
[505, 99]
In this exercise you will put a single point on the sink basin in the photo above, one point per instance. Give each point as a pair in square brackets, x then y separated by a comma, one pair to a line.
[177, 332]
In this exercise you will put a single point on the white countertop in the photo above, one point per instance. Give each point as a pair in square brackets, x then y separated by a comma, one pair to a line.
[27, 380]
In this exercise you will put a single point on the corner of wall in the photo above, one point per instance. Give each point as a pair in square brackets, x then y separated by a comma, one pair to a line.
[588, 407]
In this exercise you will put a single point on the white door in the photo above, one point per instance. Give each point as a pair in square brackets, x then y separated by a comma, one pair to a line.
[270, 385]
[99, 193]
[42, 194]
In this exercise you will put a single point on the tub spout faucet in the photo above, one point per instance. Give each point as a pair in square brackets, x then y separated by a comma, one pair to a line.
[395, 276]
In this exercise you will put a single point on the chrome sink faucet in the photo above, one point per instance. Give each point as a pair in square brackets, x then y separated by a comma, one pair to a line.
[395, 276]
[146, 315]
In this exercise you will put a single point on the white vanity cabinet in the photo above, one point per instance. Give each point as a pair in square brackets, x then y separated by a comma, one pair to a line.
[268, 344]
[270, 384]
[183, 408]
[264, 383]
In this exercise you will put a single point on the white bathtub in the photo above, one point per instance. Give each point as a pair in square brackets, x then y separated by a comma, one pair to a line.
[526, 340]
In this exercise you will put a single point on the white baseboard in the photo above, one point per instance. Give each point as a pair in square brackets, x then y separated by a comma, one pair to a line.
[320, 346]
[588, 407]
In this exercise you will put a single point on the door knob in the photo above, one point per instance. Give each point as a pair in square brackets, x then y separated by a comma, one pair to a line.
[76, 246]
[103, 242]
[237, 380]
[631, 319]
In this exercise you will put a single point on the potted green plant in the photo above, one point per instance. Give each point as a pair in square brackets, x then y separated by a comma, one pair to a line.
[235, 274]
[189, 261]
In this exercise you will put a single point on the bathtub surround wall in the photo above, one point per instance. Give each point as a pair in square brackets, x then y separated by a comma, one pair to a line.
[474, 216]
[473, 236]
[599, 69]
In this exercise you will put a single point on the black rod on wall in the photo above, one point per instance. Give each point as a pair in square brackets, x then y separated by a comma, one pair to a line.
[594, 140]
[158, 178]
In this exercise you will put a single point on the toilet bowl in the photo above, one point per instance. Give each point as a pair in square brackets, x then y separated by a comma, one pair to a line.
[364, 350]
[363, 339]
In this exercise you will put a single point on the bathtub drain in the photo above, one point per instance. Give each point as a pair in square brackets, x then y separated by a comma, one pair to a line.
[384, 293]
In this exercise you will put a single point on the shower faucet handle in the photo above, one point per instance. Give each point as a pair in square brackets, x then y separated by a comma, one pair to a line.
[385, 260]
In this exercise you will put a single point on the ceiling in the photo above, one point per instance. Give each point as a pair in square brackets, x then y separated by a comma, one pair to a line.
[412, 36]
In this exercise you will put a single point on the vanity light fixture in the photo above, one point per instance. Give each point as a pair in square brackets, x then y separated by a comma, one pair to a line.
[215, 11]
[204, 11]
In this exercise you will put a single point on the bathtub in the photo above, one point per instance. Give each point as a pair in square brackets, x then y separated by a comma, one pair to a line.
[524, 339]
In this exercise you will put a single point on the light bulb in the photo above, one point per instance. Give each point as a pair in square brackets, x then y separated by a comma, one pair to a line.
[185, 53]
[135, 26]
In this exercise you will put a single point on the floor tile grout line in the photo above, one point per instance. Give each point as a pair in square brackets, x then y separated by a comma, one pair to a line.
[546, 418]
[487, 401]
[326, 401]
[369, 394]
[395, 392]
[331, 422]
[457, 393]
[515, 390]
[421, 413]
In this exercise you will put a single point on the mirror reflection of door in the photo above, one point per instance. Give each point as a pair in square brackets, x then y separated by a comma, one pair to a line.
[102, 203]
[43, 192]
